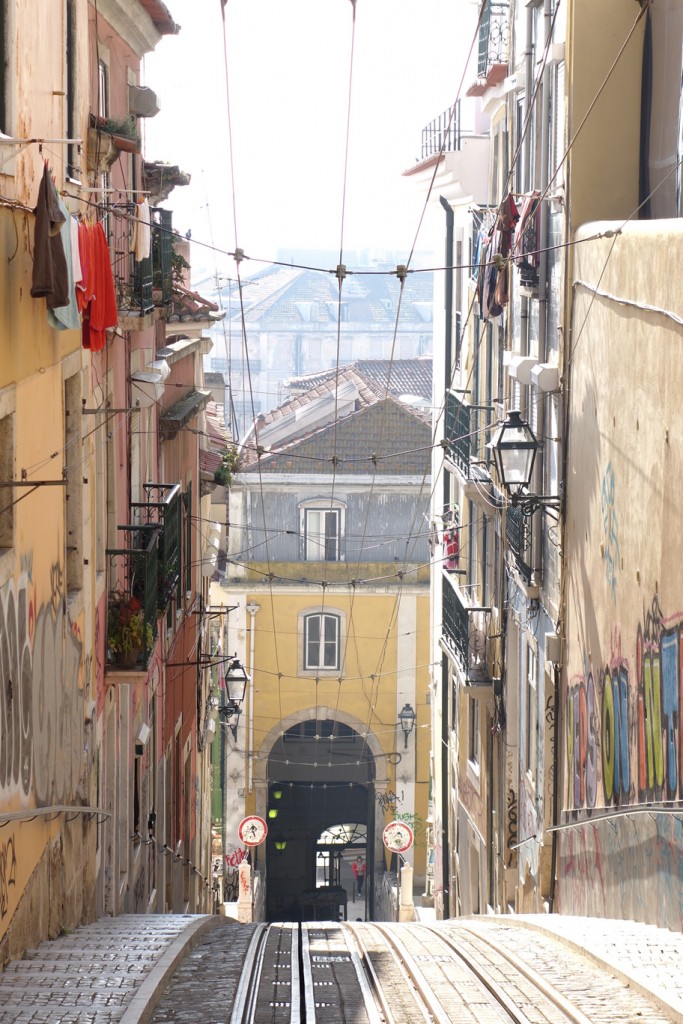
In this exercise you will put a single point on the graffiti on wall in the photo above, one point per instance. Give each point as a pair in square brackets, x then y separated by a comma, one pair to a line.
[390, 800]
[417, 824]
[624, 741]
[41, 716]
[8, 873]
[610, 526]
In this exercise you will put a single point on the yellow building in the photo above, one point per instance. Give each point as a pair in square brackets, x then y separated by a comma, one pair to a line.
[327, 570]
[101, 590]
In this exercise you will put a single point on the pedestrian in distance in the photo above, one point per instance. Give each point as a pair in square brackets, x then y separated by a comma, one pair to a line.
[358, 868]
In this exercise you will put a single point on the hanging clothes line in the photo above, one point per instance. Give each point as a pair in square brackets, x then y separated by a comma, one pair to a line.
[9, 140]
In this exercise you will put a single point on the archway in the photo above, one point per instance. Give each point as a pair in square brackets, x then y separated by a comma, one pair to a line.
[321, 776]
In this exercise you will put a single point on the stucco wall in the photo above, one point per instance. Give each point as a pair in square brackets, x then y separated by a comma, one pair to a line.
[623, 680]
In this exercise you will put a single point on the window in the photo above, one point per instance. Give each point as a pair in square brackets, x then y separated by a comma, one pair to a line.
[321, 522]
[322, 535]
[321, 641]
[102, 89]
[473, 733]
[531, 747]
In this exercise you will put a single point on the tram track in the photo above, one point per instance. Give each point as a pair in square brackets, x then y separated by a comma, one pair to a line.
[372, 973]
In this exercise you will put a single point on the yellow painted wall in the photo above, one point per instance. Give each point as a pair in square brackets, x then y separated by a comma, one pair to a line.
[603, 160]
[363, 693]
[621, 696]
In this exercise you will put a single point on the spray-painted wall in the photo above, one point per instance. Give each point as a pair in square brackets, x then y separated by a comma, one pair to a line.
[622, 690]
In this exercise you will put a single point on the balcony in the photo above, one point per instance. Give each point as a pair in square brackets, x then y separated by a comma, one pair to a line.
[132, 605]
[140, 284]
[164, 517]
[467, 635]
[466, 434]
[518, 536]
[494, 43]
[443, 134]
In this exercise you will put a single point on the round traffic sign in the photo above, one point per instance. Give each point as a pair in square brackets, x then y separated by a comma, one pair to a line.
[398, 836]
[252, 830]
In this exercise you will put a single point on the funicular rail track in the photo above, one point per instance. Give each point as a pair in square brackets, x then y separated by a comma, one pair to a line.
[341, 973]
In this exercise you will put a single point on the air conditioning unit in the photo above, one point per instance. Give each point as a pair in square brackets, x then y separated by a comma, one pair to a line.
[141, 737]
[553, 648]
[142, 101]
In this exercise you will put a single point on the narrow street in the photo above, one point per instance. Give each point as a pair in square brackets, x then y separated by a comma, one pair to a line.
[186, 969]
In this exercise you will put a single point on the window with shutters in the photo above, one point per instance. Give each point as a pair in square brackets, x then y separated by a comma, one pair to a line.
[322, 527]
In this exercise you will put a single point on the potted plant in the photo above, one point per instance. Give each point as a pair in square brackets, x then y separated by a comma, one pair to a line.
[230, 463]
[127, 631]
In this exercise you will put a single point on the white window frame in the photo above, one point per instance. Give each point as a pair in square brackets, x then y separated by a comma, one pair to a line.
[316, 541]
[322, 615]
[474, 741]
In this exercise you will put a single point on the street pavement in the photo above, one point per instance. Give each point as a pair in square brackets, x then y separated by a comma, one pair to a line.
[136, 969]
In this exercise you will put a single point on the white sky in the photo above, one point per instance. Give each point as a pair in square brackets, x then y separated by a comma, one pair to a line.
[289, 66]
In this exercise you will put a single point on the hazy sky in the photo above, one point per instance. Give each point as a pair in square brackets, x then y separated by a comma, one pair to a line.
[289, 63]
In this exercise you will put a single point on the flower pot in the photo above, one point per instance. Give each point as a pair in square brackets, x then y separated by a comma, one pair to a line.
[128, 659]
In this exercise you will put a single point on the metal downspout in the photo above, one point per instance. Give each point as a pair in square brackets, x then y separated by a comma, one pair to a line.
[543, 264]
[448, 338]
[445, 787]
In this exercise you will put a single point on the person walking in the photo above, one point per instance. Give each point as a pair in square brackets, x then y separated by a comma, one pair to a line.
[358, 868]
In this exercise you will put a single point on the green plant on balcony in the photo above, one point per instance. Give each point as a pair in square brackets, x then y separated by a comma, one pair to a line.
[230, 464]
[127, 631]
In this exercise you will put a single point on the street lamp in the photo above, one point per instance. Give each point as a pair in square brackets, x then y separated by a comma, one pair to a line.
[514, 447]
[406, 719]
[230, 714]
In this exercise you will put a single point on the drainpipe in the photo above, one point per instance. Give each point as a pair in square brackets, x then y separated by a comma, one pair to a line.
[543, 258]
[448, 302]
[448, 279]
[556, 790]
[252, 608]
[526, 161]
[445, 790]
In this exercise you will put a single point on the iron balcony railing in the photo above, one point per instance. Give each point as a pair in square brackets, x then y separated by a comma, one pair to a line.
[466, 433]
[443, 134]
[466, 633]
[518, 536]
[494, 36]
[163, 510]
[140, 284]
[132, 606]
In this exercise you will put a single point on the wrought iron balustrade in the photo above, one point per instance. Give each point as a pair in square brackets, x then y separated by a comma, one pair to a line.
[466, 432]
[518, 536]
[140, 284]
[443, 134]
[165, 513]
[466, 631]
[132, 603]
[494, 36]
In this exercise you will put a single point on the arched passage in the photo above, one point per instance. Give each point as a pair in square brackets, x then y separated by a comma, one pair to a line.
[321, 772]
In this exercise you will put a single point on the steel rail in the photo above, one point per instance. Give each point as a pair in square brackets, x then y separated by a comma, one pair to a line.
[436, 1009]
[378, 988]
[247, 989]
[353, 944]
[570, 1011]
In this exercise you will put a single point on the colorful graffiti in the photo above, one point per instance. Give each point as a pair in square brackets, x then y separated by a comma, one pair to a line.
[41, 716]
[625, 732]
